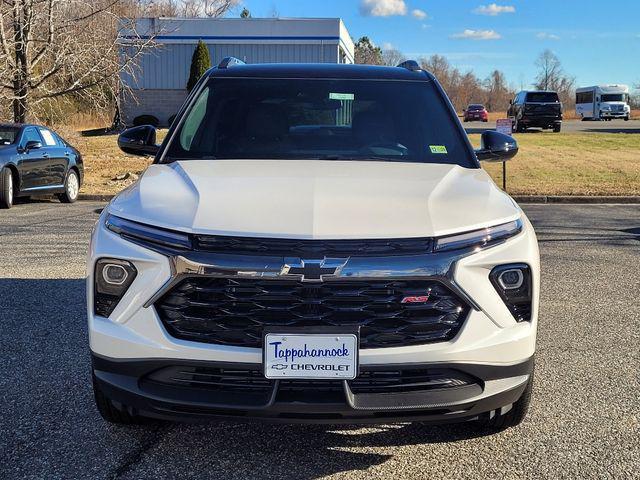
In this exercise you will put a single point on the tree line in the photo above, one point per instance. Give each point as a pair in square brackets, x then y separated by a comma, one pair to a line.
[466, 87]
[61, 56]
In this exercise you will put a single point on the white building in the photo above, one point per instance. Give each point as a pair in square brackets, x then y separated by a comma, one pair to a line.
[159, 86]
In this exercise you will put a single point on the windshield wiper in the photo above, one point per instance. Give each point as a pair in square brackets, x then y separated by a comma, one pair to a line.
[363, 158]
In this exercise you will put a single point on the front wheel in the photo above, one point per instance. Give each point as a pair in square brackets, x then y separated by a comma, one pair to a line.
[6, 188]
[626, 119]
[517, 127]
[71, 188]
[557, 127]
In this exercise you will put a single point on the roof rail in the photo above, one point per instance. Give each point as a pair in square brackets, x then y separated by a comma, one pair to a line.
[410, 65]
[230, 62]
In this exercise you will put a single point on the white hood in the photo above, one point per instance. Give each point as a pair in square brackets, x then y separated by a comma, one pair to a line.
[315, 199]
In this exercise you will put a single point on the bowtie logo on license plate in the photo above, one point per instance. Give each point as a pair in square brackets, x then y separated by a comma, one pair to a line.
[313, 270]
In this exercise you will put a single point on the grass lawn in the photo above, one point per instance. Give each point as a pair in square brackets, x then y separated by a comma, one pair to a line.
[548, 164]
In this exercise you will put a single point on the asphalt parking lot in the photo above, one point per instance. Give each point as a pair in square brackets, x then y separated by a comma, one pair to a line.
[584, 421]
[570, 126]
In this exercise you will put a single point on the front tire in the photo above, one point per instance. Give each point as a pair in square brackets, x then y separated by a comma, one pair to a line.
[557, 127]
[6, 188]
[517, 128]
[518, 411]
[71, 188]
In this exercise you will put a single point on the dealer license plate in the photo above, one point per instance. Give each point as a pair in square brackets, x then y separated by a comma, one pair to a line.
[310, 356]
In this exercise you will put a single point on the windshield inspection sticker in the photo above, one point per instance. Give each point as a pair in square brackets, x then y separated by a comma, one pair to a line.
[438, 149]
[341, 96]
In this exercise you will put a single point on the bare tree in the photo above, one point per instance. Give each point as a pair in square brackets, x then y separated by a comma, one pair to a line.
[53, 51]
[497, 92]
[184, 8]
[55, 48]
[205, 8]
[551, 76]
[392, 57]
[549, 70]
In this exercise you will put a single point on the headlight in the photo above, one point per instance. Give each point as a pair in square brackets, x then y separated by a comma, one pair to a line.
[112, 279]
[513, 284]
[140, 232]
[479, 238]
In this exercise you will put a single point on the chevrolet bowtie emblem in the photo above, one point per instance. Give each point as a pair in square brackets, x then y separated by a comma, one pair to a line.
[313, 270]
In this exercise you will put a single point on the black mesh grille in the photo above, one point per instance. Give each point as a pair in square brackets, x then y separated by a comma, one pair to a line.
[235, 311]
[251, 380]
[312, 248]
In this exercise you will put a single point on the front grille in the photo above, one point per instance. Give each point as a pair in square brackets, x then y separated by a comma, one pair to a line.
[232, 311]
[311, 248]
[217, 379]
[250, 380]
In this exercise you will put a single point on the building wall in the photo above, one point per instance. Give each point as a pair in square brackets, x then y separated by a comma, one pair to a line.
[167, 66]
[161, 103]
[158, 86]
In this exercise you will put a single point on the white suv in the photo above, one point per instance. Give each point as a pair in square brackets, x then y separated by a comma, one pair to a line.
[314, 243]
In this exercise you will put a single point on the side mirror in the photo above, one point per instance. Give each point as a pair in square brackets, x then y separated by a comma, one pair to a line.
[139, 141]
[496, 147]
[32, 145]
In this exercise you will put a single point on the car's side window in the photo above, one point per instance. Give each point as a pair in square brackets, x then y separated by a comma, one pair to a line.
[48, 137]
[193, 120]
[30, 135]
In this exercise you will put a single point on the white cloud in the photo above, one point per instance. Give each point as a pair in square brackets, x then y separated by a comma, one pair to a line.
[478, 35]
[547, 36]
[494, 9]
[382, 8]
[419, 14]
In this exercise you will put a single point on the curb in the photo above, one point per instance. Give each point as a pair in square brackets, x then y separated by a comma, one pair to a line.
[568, 199]
[94, 198]
[576, 199]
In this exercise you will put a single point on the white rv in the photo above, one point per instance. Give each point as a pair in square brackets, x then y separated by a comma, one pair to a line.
[603, 102]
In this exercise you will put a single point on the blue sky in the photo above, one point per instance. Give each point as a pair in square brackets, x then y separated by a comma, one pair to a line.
[597, 41]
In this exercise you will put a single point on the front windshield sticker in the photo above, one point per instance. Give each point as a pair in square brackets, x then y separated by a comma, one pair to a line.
[438, 149]
[341, 96]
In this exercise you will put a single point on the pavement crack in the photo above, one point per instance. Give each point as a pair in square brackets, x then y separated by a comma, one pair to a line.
[135, 456]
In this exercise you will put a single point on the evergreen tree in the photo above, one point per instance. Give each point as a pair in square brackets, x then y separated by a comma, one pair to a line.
[200, 63]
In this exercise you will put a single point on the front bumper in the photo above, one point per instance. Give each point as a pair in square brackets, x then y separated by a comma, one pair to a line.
[540, 121]
[491, 346]
[605, 114]
[141, 386]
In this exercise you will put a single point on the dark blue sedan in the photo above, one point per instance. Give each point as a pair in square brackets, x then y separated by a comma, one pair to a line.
[35, 160]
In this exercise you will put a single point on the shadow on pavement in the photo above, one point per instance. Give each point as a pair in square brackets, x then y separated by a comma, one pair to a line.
[51, 428]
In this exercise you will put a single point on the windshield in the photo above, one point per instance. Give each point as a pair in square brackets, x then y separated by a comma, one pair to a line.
[244, 118]
[8, 135]
[542, 97]
[614, 97]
